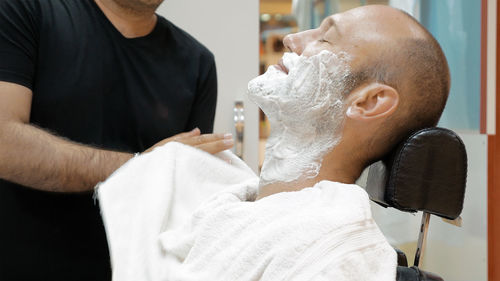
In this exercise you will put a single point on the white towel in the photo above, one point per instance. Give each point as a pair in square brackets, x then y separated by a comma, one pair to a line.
[162, 224]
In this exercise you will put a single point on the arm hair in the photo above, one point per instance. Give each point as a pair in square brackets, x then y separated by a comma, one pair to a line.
[35, 158]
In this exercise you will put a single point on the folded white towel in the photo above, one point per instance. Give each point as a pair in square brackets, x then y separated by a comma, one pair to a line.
[163, 224]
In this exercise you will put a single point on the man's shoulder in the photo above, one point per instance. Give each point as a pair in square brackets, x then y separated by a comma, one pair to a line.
[184, 39]
[19, 3]
[44, 11]
[37, 6]
[16, 7]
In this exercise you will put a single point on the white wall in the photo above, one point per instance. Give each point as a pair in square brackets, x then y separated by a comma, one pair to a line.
[230, 29]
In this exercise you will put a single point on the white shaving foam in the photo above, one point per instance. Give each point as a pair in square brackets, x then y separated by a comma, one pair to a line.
[305, 109]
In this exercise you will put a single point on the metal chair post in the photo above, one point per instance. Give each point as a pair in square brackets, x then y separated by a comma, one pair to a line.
[422, 239]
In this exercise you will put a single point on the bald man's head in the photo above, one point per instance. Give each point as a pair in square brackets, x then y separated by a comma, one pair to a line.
[398, 81]
[416, 67]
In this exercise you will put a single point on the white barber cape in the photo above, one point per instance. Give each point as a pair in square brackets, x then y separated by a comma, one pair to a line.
[178, 213]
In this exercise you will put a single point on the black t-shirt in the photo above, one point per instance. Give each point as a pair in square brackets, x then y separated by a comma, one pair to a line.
[94, 86]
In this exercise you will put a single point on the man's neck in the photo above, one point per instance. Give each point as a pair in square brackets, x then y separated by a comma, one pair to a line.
[129, 23]
[336, 166]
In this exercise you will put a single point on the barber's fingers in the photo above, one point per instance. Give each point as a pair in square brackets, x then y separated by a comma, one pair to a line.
[203, 139]
[211, 143]
[216, 146]
[178, 138]
[192, 133]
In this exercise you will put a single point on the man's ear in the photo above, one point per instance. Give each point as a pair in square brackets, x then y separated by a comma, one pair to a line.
[373, 101]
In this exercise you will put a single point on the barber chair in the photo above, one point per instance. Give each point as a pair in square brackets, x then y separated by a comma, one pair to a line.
[427, 172]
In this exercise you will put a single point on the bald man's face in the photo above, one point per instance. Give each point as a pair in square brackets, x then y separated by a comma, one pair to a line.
[360, 32]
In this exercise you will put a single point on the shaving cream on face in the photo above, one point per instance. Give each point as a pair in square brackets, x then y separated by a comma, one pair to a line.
[306, 112]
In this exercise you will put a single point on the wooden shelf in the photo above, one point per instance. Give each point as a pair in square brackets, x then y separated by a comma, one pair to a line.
[283, 7]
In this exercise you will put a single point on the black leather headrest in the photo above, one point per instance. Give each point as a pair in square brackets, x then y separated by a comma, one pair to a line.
[426, 172]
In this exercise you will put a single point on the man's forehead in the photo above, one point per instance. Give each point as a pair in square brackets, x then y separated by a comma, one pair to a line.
[335, 19]
[342, 21]
[374, 20]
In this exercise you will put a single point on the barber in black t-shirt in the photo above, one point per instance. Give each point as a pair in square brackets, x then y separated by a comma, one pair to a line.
[84, 85]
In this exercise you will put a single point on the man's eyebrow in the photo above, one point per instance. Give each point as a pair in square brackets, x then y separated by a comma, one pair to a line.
[330, 22]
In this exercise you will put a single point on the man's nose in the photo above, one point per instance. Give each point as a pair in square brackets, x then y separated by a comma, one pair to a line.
[294, 43]
[298, 42]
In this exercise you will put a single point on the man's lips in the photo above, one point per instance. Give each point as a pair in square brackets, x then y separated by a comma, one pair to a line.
[281, 66]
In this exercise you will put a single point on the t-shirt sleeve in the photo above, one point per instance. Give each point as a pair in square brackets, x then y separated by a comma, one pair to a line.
[203, 110]
[18, 41]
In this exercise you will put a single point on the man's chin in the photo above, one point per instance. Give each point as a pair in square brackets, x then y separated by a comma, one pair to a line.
[140, 6]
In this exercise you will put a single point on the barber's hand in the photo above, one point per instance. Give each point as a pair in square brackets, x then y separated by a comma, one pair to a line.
[211, 143]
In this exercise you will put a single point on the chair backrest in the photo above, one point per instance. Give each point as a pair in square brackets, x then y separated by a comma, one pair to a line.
[426, 172]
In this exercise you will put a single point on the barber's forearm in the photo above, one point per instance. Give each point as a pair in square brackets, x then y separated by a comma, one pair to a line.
[32, 157]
